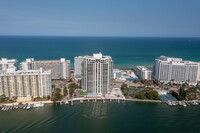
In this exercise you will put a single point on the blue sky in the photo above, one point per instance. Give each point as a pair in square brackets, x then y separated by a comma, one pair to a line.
[148, 18]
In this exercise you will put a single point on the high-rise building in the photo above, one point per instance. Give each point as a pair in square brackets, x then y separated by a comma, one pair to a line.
[97, 74]
[23, 83]
[199, 73]
[175, 69]
[60, 68]
[7, 64]
[143, 73]
[78, 67]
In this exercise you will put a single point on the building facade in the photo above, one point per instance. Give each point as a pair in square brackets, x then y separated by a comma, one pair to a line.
[60, 68]
[21, 83]
[199, 73]
[6, 64]
[97, 74]
[78, 67]
[175, 69]
[143, 73]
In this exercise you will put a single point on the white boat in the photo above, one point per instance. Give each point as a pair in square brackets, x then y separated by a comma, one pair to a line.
[41, 104]
[24, 107]
[38, 104]
[28, 107]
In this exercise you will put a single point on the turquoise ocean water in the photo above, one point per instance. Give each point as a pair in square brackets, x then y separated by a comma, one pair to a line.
[126, 52]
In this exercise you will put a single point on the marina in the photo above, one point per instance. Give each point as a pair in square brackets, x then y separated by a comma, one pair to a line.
[21, 106]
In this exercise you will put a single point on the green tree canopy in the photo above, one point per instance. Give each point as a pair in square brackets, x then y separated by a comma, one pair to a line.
[152, 94]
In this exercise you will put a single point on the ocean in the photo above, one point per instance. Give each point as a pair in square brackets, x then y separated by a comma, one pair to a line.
[127, 52]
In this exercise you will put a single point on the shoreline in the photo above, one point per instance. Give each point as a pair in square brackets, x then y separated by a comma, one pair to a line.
[145, 100]
[75, 100]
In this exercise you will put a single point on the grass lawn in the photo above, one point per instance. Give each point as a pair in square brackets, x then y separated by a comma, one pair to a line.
[40, 99]
[82, 93]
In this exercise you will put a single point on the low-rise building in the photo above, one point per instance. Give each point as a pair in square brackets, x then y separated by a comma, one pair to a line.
[143, 73]
[116, 73]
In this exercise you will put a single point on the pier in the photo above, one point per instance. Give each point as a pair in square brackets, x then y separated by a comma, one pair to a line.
[81, 100]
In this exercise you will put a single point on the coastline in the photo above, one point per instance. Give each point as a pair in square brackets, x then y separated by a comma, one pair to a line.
[75, 100]
[144, 100]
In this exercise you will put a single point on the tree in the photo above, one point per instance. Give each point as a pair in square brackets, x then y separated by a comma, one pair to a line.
[152, 94]
[65, 92]
[124, 89]
[182, 94]
[72, 87]
[139, 96]
[57, 90]
[48, 97]
[57, 95]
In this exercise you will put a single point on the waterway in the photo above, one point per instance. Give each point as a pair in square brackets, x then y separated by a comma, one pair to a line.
[109, 117]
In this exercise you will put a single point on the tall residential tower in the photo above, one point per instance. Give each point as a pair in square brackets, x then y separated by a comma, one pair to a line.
[60, 68]
[97, 74]
[175, 69]
[23, 83]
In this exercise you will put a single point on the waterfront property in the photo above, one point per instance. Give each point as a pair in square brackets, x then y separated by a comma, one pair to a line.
[60, 68]
[116, 73]
[97, 73]
[168, 69]
[78, 67]
[25, 83]
[7, 64]
[143, 73]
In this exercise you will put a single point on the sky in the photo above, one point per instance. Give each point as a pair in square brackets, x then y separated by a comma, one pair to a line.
[131, 18]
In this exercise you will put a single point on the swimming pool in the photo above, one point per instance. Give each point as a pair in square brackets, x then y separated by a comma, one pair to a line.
[125, 74]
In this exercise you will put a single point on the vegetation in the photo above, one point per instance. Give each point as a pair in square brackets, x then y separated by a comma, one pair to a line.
[57, 95]
[182, 94]
[65, 92]
[82, 93]
[4, 99]
[72, 87]
[152, 94]
[139, 92]
[124, 89]
[41, 99]
[48, 97]
[139, 96]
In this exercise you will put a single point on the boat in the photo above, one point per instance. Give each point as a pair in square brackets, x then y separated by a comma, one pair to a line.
[169, 103]
[24, 107]
[194, 103]
[38, 104]
[28, 107]
[20, 106]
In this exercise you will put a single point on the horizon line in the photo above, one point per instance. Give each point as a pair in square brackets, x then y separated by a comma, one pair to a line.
[103, 36]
